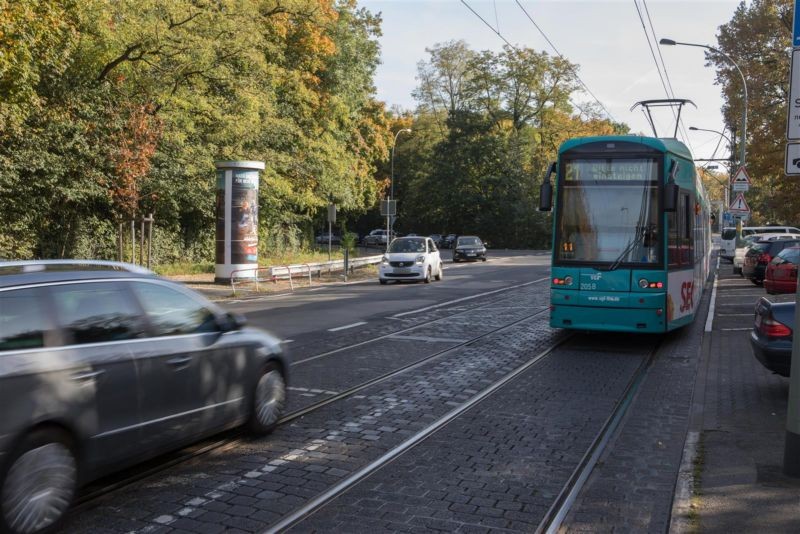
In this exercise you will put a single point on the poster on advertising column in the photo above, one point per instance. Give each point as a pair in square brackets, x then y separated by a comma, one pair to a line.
[244, 217]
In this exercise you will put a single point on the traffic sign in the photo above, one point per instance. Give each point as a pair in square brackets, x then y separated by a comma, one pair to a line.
[796, 26]
[741, 180]
[739, 206]
[793, 119]
[792, 166]
[388, 207]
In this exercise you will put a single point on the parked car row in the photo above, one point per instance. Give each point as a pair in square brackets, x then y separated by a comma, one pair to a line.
[771, 259]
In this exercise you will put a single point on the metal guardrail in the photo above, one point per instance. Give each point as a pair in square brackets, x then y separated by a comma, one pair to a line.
[290, 272]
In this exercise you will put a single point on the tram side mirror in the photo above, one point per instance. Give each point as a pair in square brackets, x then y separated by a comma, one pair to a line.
[546, 190]
[671, 190]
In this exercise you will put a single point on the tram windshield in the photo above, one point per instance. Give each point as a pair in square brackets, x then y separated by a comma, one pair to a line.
[608, 212]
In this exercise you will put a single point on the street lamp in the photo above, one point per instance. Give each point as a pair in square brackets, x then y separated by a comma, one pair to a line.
[671, 42]
[730, 172]
[391, 187]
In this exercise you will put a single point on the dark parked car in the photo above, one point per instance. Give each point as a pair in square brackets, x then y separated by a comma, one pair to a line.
[103, 365]
[781, 275]
[437, 239]
[771, 337]
[760, 254]
[469, 247]
[449, 240]
[322, 239]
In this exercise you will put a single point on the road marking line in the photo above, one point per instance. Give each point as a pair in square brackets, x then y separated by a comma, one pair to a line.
[736, 329]
[713, 306]
[468, 298]
[345, 327]
[288, 340]
[735, 314]
[427, 338]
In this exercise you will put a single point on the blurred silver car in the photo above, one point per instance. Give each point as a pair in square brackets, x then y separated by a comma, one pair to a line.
[103, 365]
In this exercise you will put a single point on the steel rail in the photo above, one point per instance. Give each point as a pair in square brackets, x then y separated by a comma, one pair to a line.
[84, 500]
[414, 327]
[558, 511]
[327, 496]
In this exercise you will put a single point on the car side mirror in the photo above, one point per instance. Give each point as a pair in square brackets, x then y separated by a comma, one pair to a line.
[232, 321]
[546, 190]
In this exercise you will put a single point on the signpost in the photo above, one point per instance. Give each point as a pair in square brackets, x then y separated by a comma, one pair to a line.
[739, 207]
[792, 166]
[741, 180]
[388, 210]
[791, 450]
[793, 118]
[331, 220]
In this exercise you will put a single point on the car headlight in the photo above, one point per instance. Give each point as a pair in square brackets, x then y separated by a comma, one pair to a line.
[460, 250]
[420, 260]
[385, 261]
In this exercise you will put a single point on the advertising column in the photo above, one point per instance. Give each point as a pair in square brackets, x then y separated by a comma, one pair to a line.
[237, 219]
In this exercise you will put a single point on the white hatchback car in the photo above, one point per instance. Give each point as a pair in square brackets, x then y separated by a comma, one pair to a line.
[411, 258]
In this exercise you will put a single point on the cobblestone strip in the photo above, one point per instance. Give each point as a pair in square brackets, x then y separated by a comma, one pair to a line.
[333, 341]
[372, 360]
[631, 488]
[251, 486]
[500, 466]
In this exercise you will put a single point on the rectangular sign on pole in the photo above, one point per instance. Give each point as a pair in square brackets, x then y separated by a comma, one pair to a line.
[388, 207]
[793, 122]
[792, 164]
[796, 28]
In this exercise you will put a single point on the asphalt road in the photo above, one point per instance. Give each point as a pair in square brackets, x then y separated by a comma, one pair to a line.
[354, 306]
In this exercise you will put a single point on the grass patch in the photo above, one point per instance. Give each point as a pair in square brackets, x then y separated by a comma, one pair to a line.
[288, 258]
[174, 269]
[697, 493]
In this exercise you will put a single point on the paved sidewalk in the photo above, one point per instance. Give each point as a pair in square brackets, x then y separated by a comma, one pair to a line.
[740, 417]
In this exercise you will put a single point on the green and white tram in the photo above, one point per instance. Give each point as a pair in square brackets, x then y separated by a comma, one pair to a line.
[631, 234]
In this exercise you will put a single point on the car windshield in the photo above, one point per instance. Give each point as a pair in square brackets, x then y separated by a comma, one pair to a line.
[407, 245]
[728, 233]
[468, 242]
[788, 255]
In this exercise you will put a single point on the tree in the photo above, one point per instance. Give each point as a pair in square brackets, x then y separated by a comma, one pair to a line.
[758, 38]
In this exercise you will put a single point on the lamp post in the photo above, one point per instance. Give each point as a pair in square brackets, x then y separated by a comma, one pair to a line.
[670, 42]
[391, 187]
[730, 172]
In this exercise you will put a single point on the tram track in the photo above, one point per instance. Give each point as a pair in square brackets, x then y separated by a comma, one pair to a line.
[561, 505]
[497, 296]
[233, 438]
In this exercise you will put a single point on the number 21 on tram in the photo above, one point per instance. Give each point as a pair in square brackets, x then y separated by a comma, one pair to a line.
[631, 234]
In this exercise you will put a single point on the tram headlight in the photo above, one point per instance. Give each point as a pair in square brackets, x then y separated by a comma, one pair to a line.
[644, 284]
[568, 281]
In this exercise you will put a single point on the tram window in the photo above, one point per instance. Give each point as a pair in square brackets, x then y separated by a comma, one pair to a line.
[673, 244]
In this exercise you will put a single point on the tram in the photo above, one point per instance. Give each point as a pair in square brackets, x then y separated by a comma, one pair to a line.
[631, 234]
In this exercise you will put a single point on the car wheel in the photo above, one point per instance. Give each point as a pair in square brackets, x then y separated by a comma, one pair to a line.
[39, 481]
[383, 281]
[428, 276]
[755, 282]
[455, 260]
[268, 400]
[484, 258]
[440, 274]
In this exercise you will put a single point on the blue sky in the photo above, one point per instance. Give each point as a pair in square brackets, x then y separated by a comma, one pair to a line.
[604, 37]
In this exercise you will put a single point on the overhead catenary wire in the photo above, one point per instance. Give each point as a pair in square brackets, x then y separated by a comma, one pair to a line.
[666, 73]
[500, 35]
[574, 71]
[659, 67]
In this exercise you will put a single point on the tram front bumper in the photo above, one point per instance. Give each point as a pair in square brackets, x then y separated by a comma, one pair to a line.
[621, 312]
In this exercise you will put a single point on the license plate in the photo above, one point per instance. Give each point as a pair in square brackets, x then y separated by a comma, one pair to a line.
[402, 271]
[470, 254]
